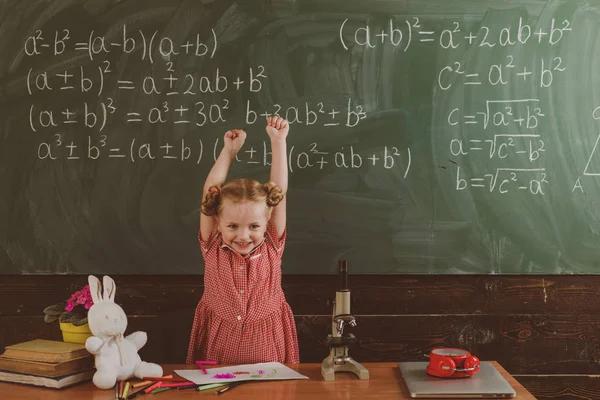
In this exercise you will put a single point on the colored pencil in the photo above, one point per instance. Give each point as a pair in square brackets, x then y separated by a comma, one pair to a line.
[202, 368]
[194, 386]
[162, 389]
[234, 384]
[176, 384]
[165, 379]
[211, 386]
[142, 390]
[150, 388]
[142, 383]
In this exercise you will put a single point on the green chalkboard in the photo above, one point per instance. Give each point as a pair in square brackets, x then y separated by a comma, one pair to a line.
[426, 136]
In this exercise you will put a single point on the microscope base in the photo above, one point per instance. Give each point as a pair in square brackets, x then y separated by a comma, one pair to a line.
[329, 368]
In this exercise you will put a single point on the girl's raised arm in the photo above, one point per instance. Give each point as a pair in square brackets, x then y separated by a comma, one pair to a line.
[233, 142]
[277, 129]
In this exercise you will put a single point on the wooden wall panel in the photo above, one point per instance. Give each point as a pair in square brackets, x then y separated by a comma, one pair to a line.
[312, 294]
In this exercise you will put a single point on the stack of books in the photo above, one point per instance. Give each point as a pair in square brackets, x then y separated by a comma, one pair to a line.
[48, 363]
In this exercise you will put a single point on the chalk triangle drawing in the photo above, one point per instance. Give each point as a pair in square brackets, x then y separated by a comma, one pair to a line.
[596, 166]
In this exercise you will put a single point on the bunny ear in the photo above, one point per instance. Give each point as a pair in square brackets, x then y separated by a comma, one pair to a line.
[110, 288]
[95, 289]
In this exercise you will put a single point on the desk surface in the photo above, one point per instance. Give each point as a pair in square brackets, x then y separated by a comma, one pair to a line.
[385, 383]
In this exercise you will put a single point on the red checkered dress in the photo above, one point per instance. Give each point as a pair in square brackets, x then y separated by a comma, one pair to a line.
[243, 316]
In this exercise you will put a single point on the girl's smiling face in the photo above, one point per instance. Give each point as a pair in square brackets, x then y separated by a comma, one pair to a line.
[243, 224]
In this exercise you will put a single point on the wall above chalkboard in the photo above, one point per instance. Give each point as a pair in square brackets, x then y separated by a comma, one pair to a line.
[426, 136]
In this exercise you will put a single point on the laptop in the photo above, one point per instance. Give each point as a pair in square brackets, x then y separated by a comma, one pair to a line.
[488, 383]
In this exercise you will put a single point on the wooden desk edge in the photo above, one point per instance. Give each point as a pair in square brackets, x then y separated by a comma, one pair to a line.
[386, 373]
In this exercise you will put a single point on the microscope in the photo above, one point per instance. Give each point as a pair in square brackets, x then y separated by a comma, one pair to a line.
[338, 359]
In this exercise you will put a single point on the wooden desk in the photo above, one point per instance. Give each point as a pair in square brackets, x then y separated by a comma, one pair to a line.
[385, 384]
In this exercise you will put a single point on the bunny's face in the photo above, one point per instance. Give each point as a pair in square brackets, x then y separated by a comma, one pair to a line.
[105, 317]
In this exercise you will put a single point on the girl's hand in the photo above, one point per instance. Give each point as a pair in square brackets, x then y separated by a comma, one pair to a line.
[277, 127]
[234, 140]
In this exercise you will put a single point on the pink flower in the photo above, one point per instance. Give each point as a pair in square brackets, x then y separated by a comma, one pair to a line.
[83, 297]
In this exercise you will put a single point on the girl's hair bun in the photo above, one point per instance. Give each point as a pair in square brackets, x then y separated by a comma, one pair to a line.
[274, 193]
[210, 204]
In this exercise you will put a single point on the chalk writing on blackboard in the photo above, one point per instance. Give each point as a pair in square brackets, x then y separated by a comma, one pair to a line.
[403, 34]
[179, 88]
[500, 74]
[179, 105]
[298, 158]
[40, 43]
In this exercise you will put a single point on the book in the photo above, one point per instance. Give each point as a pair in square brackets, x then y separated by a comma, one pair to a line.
[48, 370]
[52, 351]
[58, 382]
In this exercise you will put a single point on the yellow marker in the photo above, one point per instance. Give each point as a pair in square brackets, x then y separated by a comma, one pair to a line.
[126, 390]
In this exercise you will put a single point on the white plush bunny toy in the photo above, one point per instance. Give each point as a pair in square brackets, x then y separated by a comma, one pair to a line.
[116, 356]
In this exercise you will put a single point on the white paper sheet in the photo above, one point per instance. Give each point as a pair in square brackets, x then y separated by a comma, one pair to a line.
[247, 372]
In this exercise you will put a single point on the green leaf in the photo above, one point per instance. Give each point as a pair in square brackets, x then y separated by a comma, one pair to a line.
[50, 318]
[65, 317]
[55, 309]
[82, 321]
[78, 319]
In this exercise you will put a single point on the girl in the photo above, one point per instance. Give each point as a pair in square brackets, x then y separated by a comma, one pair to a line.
[243, 316]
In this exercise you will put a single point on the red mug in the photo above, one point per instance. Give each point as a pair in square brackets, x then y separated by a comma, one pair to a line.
[452, 363]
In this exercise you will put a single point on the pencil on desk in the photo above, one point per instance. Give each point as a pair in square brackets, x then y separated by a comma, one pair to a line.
[206, 362]
[121, 387]
[142, 390]
[164, 379]
[211, 386]
[186, 387]
[146, 382]
[138, 384]
[176, 384]
[116, 391]
[161, 389]
[231, 386]
[150, 388]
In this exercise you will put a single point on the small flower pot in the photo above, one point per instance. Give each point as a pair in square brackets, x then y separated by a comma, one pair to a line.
[75, 334]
